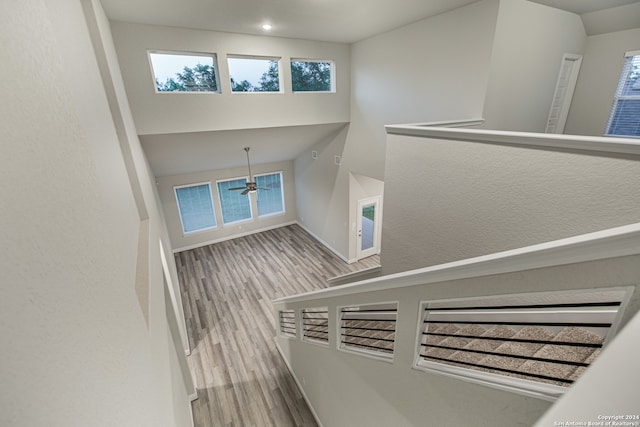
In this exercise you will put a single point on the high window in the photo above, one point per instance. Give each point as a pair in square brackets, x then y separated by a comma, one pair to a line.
[235, 206]
[311, 76]
[195, 206]
[254, 74]
[183, 72]
[624, 119]
[271, 200]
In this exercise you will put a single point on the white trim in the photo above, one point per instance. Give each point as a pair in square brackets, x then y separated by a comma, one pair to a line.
[235, 236]
[369, 354]
[610, 243]
[213, 207]
[631, 53]
[332, 74]
[295, 378]
[284, 208]
[522, 386]
[526, 139]
[354, 274]
[212, 55]
[326, 245]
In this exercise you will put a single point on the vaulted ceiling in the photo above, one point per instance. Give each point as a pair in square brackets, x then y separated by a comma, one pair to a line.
[321, 20]
[325, 20]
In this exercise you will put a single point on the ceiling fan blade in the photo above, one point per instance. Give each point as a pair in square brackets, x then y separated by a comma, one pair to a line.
[245, 192]
[237, 188]
[262, 188]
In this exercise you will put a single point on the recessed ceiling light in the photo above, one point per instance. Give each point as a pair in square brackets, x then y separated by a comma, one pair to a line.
[266, 27]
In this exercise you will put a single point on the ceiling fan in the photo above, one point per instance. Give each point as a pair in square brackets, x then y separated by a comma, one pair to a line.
[251, 185]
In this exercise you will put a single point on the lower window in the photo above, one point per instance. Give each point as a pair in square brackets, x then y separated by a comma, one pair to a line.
[195, 207]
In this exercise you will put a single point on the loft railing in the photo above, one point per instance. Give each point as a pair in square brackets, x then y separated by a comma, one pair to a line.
[531, 342]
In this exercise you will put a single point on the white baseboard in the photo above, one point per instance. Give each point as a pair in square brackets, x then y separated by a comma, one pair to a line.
[295, 378]
[326, 245]
[235, 236]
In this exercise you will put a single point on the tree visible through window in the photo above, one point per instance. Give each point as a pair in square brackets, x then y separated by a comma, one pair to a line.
[624, 119]
[249, 74]
[311, 76]
[183, 73]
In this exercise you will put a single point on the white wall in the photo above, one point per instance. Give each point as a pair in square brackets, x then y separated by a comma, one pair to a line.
[77, 349]
[352, 390]
[476, 198]
[599, 75]
[434, 69]
[169, 112]
[530, 40]
[181, 241]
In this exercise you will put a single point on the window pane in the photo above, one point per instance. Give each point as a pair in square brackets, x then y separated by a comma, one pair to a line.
[195, 207]
[311, 76]
[254, 74]
[183, 73]
[270, 201]
[235, 206]
[624, 119]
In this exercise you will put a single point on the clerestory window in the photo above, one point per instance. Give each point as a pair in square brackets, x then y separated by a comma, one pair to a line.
[311, 75]
[184, 72]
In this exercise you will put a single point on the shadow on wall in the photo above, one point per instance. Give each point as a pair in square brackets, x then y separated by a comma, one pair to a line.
[322, 205]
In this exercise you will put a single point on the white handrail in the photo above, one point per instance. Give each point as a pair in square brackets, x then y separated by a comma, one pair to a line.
[610, 243]
[453, 131]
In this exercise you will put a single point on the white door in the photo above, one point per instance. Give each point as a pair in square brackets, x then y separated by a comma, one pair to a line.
[368, 227]
[564, 93]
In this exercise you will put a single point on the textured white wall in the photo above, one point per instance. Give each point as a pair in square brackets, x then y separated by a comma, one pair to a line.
[76, 349]
[168, 113]
[448, 200]
[530, 40]
[170, 207]
[434, 69]
[351, 390]
[599, 75]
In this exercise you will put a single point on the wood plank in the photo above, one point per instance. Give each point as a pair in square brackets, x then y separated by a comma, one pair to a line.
[227, 289]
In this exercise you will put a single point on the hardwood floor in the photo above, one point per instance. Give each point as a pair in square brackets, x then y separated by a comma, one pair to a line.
[227, 289]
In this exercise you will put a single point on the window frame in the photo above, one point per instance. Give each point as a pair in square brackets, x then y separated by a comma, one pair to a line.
[284, 209]
[619, 96]
[332, 74]
[248, 195]
[276, 59]
[216, 73]
[213, 207]
[540, 390]
[361, 351]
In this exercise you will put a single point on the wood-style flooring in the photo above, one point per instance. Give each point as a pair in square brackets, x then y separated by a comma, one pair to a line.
[227, 289]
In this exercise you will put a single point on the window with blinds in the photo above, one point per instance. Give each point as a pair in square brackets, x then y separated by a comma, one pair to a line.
[235, 206]
[195, 206]
[538, 344]
[270, 199]
[624, 118]
[315, 325]
[369, 329]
